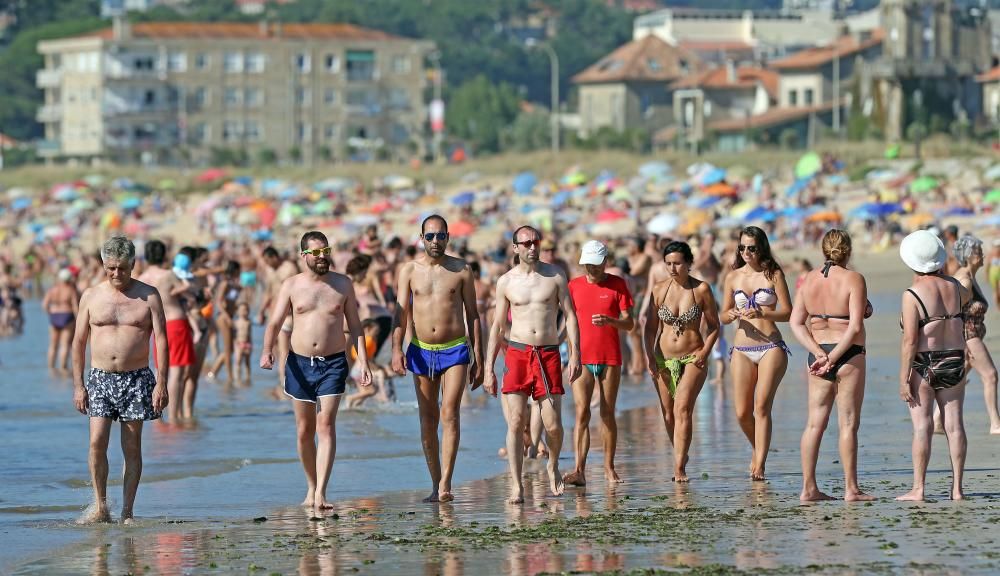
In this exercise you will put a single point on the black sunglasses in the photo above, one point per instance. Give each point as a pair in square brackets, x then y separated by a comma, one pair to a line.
[439, 236]
[528, 243]
[750, 249]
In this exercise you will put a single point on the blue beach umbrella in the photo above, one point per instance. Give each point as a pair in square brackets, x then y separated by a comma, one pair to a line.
[464, 199]
[713, 176]
[524, 183]
[561, 197]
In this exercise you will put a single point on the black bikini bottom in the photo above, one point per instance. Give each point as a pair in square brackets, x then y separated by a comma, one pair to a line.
[941, 368]
[831, 374]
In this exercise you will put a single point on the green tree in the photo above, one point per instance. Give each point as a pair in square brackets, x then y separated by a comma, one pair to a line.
[916, 132]
[480, 111]
[530, 131]
[266, 157]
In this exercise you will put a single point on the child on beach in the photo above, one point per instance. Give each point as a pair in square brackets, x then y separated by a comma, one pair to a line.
[242, 344]
[382, 387]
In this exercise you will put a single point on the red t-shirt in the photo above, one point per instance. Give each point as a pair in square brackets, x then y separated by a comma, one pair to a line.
[599, 344]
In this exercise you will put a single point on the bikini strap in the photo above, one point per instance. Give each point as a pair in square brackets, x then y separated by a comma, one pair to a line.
[921, 302]
[826, 268]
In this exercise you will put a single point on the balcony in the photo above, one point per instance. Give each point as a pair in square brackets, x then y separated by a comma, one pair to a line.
[48, 78]
[48, 148]
[49, 113]
[120, 111]
[123, 73]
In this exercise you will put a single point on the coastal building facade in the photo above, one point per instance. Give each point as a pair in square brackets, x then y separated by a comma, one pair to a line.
[174, 92]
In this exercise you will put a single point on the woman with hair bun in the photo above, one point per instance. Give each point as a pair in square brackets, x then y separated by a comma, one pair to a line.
[756, 297]
[828, 320]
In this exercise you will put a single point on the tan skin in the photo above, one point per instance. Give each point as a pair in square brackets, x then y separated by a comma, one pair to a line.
[607, 385]
[226, 307]
[679, 292]
[319, 301]
[533, 292]
[117, 318]
[754, 386]
[843, 291]
[979, 356]
[277, 271]
[436, 299]
[62, 297]
[938, 294]
[639, 269]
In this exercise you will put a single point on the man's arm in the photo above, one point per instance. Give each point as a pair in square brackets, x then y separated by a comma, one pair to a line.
[160, 398]
[80, 338]
[496, 333]
[401, 318]
[473, 325]
[282, 302]
[572, 328]
[357, 334]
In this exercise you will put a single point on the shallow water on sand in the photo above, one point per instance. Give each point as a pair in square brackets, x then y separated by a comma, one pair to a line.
[203, 487]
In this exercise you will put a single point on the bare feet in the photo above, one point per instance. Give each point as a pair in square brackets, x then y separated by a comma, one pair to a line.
[956, 494]
[128, 521]
[757, 474]
[516, 496]
[432, 498]
[555, 480]
[309, 499]
[814, 495]
[995, 429]
[612, 476]
[322, 504]
[680, 472]
[915, 495]
[95, 515]
[446, 496]
[858, 496]
[575, 479]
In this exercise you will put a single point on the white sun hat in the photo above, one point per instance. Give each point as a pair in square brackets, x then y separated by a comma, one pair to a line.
[923, 252]
[593, 252]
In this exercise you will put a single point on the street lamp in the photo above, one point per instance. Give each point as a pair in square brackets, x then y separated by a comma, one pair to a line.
[554, 73]
[437, 105]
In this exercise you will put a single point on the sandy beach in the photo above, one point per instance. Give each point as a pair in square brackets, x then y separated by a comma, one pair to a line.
[719, 523]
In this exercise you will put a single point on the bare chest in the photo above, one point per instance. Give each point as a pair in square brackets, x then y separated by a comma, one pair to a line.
[322, 299]
[435, 284]
[120, 313]
[532, 291]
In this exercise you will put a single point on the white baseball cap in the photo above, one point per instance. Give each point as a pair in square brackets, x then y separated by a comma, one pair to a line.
[593, 253]
[923, 252]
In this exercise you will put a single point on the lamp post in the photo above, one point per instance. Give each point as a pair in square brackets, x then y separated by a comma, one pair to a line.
[554, 73]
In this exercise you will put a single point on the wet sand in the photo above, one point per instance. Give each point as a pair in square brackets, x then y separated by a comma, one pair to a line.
[719, 523]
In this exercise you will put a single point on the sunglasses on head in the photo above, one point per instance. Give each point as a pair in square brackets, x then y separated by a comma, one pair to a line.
[439, 236]
[528, 243]
[317, 252]
[748, 249]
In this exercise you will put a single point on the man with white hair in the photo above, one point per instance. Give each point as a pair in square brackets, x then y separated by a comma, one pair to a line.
[117, 317]
[60, 303]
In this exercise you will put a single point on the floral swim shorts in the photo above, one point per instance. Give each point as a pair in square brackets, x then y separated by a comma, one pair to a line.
[123, 396]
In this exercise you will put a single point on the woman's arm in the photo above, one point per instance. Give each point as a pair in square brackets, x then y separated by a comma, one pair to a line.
[908, 349]
[729, 312]
[798, 319]
[783, 311]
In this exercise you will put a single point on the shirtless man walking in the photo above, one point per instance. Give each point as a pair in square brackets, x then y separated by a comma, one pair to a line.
[61, 304]
[117, 318]
[316, 369]
[533, 292]
[180, 335]
[436, 299]
[639, 264]
[278, 270]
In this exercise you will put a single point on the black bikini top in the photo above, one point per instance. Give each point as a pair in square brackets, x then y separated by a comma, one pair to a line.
[927, 319]
[869, 309]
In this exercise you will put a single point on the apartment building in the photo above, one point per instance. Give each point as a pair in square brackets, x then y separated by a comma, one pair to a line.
[173, 92]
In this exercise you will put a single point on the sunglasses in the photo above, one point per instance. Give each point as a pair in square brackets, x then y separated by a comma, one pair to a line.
[439, 236]
[317, 252]
[528, 243]
[748, 249]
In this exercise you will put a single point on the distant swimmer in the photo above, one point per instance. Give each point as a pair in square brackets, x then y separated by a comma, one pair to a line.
[61, 304]
[436, 300]
[533, 292]
[117, 318]
[316, 368]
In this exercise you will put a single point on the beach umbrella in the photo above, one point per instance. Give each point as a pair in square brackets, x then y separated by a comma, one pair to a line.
[575, 178]
[656, 170]
[81, 204]
[20, 203]
[875, 210]
[111, 220]
[923, 184]
[956, 211]
[328, 185]
[712, 176]
[524, 183]
[397, 182]
[244, 180]
[324, 206]
[17, 192]
[211, 175]
[759, 213]
[892, 152]
[461, 228]
[825, 216]
[380, 207]
[808, 165]
[797, 187]
[463, 199]
[720, 189]
[64, 193]
[129, 202]
[836, 179]
[694, 220]
[879, 175]
[561, 197]
[919, 220]
[993, 197]
[611, 216]
[621, 193]
[703, 201]
[94, 180]
[122, 183]
[743, 208]
[663, 223]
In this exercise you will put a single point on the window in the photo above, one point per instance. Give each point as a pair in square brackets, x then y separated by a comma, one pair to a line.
[200, 133]
[359, 98]
[360, 65]
[201, 61]
[230, 131]
[252, 131]
[332, 63]
[807, 97]
[303, 132]
[148, 98]
[400, 64]
[398, 99]
[303, 63]
[303, 96]
[255, 62]
[177, 61]
[254, 97]
[329, 96]
[330, 132]
[653, 64]
[398, 134]
[233, 96]
[793, 98]
[143, 63]
[233, 62]
[200, 97]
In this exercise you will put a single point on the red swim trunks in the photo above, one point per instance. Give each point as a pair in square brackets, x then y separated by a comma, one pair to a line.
[180, 342]
[529, 368]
